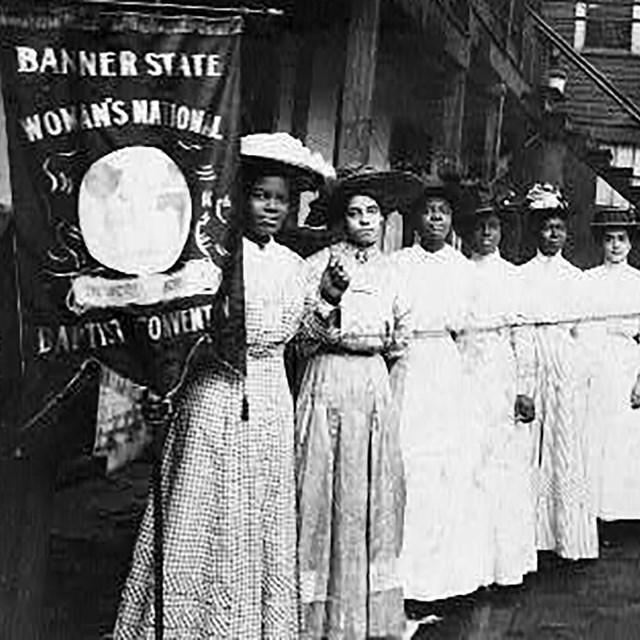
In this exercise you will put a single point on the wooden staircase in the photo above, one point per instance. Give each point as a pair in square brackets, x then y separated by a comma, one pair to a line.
[554, 116]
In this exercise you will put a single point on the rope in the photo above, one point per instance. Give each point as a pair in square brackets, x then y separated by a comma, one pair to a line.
[471, 328]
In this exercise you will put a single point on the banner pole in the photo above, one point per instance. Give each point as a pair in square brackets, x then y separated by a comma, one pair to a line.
[158, 524]
[158, 518]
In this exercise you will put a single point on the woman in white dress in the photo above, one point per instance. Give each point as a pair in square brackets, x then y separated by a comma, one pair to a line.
[492, 351]
[614, 423]
[444, 551]
[350, 476]
[229, 538]
[555, 299]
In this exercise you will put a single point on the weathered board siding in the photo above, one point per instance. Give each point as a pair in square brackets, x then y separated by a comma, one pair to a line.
[591, 108]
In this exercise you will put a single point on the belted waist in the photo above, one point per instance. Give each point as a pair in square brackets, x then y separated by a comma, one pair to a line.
[263, 351]
[346, 351]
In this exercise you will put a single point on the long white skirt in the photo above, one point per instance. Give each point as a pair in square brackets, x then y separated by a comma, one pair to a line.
[566, 523]
[443, 553]
[506, 460]
[614, 431]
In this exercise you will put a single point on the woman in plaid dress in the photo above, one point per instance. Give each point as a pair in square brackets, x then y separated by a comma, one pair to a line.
[228, 472]
[350, 477]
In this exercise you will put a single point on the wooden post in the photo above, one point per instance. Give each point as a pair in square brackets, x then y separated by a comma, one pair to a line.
[26, 490]
[158, 533]
[453, 114]
[551, 162]
[28, 467]
[493, 130]
[354, 131]
[5, 187]
[302, 87]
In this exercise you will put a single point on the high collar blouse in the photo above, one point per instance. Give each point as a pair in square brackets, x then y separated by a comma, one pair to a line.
[274, 286]
[614, 298]
[438, 287]
[494, 291]
[553, 289]
[373, 312]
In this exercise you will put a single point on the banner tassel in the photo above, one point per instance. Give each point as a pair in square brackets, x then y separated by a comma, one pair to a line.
[245, 407]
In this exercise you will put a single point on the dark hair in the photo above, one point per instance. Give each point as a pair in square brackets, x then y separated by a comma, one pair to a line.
[598, 231]
[340, 207]
[254, 171]
[538, 218]
[419, 206]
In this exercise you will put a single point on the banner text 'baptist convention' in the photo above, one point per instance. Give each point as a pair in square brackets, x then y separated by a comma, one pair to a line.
[66, 339]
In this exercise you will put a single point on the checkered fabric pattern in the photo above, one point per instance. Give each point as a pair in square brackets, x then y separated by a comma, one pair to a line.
[228, 486]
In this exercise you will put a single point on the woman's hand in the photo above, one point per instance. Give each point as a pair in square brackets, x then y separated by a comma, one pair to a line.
[334, 281]
[156, 411]
[635, 395]
[525, 409]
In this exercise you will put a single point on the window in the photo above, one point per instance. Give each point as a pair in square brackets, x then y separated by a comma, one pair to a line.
[623, 156]
[607, 25]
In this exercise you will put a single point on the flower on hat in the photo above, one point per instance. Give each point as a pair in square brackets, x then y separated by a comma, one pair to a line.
[543, 196]
[282, 147]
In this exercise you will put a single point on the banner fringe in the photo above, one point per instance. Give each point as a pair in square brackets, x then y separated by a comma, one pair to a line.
[97, 18]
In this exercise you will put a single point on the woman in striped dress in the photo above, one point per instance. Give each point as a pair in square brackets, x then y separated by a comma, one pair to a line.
[228, 470]
[555, 297]
[350, 477]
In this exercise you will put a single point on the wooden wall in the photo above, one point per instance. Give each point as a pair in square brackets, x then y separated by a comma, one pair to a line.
[589, 107]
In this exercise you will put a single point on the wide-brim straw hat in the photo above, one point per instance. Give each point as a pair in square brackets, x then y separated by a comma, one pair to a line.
[392, 190]
[617, 217]
[282, 154]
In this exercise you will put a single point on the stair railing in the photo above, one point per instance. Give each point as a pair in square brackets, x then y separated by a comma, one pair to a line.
[580, 61]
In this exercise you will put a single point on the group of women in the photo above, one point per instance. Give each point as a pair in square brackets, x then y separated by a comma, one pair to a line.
[447, 425]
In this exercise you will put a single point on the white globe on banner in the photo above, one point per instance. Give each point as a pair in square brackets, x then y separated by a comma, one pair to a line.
[135, 210]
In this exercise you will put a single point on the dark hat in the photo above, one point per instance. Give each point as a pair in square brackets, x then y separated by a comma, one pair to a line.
[437, 187]
[479, 200]
[615, 217]
[449, 189]
[501, 202]
[485, 202]
[392, 190]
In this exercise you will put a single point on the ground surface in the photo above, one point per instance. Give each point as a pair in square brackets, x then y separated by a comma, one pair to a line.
[95, 528]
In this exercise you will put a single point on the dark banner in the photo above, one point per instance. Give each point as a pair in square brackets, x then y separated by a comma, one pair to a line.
[123, 147]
